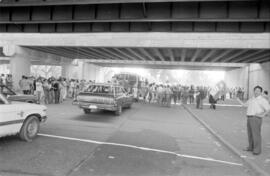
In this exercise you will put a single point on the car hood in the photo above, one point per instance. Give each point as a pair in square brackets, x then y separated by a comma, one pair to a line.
[29, 105]
[24, 96]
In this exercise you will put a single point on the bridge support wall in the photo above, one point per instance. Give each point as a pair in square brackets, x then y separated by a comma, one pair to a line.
[249, 77]
[83, 70]
[19, 65]
[259, 74]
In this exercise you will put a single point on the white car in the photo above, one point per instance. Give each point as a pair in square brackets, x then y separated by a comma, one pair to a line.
[20, 118]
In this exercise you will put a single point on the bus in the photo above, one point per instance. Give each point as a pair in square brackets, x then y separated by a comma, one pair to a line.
[131, 82]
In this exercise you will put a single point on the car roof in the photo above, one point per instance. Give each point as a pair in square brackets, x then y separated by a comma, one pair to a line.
[105, 84]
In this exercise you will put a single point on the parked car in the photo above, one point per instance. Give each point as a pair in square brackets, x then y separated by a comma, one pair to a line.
[12, 96]
[20, 118]
[109, 97]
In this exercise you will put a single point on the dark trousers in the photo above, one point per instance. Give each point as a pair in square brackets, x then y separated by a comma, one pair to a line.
[57, 96]
[198, 102]
[254, 125]
[213, 106]
[191, 99]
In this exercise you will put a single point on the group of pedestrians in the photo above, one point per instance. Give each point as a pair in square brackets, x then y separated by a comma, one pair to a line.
[165, 95]
[6, 79]
[51, 90]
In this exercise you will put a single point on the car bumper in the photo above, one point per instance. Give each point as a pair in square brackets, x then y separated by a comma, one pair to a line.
[99, 106]
[43, 118]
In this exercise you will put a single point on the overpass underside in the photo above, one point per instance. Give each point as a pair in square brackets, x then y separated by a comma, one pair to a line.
[134, 16]
[195, 34]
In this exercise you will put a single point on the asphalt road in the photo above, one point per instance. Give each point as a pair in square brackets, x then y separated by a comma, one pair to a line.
[146, 140]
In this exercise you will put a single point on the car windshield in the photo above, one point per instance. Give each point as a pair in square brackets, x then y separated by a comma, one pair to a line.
[3, 100]
[100, 89]
[6, 91]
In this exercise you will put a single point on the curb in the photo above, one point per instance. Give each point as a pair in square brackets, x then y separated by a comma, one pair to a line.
[255, 168]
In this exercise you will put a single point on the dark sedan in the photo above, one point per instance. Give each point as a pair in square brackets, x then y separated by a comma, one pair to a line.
[104, 97]
[12, 96]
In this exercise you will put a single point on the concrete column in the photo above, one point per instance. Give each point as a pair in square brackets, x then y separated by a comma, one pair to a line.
[70, 71]
[238, 78]
[249, 77]
[93, 72]
[19, 65]
[259, 74]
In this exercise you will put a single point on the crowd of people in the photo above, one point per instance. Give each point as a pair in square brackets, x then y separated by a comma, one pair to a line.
[48, 90]
[56, 90]
[6, 80]
[166, 95]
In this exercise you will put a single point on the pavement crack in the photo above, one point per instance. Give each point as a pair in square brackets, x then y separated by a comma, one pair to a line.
[19, 172]
[80, 163]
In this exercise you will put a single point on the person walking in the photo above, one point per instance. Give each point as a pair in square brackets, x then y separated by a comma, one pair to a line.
[257, 109]
[191, 95]
[46, 90]
[39, 90]
[56, 89]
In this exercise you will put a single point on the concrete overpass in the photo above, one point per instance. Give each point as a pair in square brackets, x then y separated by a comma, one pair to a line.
[193, 34]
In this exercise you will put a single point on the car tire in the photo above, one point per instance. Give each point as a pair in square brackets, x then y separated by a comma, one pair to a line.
[87, 111]
[119, 110]
[129, 106]
[30, 128]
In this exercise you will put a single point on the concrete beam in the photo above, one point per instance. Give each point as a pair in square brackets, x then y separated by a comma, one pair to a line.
[81, 2]
[168, 64]
[124, 53]
[209, 54]
[146, 54]
[171, 54]
[195, 55]
[135, 53]
[183, 55]
[235, 55]
[153, 39]
[221, 55]
[160, 56]
[249, 56]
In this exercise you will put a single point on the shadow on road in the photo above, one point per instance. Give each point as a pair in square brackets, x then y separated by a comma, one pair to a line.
[98, 116]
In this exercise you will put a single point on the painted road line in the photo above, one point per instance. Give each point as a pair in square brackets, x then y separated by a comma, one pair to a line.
[224, 105]
[141, 148]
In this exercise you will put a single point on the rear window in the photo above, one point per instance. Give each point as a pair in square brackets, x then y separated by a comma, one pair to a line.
[99, 89]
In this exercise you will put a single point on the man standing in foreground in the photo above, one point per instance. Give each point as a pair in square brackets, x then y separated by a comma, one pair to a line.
[257, 109]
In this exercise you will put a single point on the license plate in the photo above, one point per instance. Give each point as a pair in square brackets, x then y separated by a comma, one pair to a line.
[93, 107]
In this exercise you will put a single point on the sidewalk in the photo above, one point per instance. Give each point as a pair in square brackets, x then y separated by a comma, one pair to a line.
[229, 123]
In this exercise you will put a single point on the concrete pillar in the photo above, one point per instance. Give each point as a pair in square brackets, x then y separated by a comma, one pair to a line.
[259, 74]
[93, 72]
[238, 78]
[70, 71]
[249, 77]
[19, 65]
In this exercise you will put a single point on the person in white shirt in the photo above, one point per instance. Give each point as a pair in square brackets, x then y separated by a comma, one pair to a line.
[39, 90]
[257, 108]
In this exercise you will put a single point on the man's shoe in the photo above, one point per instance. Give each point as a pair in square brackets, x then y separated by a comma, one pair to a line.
[248, 149]
[254, 153]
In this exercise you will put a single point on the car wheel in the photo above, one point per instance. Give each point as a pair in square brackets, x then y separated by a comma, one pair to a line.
[119, 110]
[129, 106]
[87, 111]
[30, 128]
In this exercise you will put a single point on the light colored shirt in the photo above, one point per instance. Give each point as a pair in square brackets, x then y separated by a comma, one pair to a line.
[257, 105]
[39, 86]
